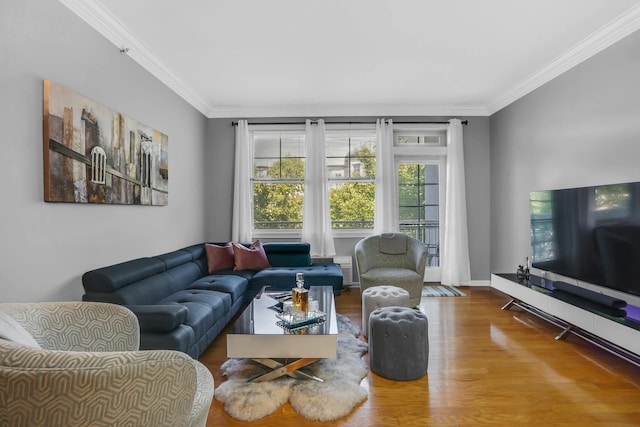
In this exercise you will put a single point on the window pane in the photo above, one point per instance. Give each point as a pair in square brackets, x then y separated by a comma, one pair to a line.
[337, 147]
[284, 168]
[419, 206]
[263, 168]
[278, 156]
[351, 157]
[267, 146]
[293, 146]
[407, 139]
[277, 205]
[363, 157]
[352, 204]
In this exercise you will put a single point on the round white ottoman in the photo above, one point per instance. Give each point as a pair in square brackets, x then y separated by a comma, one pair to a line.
[381, 296]
[399, 343]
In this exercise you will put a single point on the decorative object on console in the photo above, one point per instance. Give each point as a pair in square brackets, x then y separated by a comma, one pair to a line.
[322, 401]
[523, 271]
[93, 154]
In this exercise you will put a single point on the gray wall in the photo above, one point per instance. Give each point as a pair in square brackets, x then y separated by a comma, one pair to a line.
[45, 247]
[220, 153]
[582, 128]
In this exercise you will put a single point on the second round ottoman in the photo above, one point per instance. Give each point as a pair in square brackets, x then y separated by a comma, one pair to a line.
[381, 296]
[399, 343]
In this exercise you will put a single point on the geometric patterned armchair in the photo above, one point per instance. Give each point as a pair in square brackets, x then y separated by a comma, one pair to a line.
[78, 364]
[401, 263]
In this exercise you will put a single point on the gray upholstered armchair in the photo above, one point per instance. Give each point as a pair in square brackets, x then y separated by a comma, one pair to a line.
[392, 259]
[78, 364]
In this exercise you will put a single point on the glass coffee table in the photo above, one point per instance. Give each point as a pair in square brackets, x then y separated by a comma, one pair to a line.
[257, 335]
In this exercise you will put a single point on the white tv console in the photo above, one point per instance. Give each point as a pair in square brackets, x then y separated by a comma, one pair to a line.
[618, 336]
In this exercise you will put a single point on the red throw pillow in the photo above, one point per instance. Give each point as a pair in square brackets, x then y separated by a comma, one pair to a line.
[251, 258]
[219, 257]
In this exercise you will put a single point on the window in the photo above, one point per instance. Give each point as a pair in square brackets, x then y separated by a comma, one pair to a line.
[279, 158]
[419, 205]
[414, 138]
[351, 168]
[278, 180]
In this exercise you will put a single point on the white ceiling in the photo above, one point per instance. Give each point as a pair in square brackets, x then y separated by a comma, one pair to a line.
[270, 58]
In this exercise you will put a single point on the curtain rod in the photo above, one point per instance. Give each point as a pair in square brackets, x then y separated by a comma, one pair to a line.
[464, 122]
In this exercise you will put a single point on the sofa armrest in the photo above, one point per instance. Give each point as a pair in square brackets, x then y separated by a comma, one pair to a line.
[77, 326]
[159, 318]
[89, 388]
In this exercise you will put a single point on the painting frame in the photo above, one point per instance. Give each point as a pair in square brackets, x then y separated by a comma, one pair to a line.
[95, 154]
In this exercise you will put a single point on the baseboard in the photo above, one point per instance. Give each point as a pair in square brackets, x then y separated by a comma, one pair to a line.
[479, 283]
[471, 283]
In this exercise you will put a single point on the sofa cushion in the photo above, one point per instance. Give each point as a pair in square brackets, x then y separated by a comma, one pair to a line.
[149, 290]
[159, 318]
[235, 286]
[183, 275]
[175, 258]
[251, 258]
[205, 307]
[219, 257]
[108, 279]
[282, 254]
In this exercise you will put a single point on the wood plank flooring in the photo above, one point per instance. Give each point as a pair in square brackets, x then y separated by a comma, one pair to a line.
[486, 367]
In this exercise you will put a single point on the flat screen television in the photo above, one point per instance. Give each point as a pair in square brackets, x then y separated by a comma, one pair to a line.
[591, 234]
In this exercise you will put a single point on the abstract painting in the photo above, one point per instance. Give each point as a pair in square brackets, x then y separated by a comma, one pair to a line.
[93, 154]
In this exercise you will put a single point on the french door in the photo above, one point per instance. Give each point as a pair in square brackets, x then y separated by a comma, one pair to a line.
[420, 204]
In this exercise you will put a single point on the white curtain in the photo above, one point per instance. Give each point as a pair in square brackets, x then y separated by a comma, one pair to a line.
[316, 217]
[241, 221]
[455, 266]
[385, 217]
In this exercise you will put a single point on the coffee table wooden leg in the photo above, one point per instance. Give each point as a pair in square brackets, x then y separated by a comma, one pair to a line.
[291, 369]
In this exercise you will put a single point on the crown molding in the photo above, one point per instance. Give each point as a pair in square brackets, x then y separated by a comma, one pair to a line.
[611, 33]
[347, 111]
[94, 14]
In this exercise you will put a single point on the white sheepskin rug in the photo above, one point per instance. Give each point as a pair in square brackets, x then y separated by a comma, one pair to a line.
[319, 401]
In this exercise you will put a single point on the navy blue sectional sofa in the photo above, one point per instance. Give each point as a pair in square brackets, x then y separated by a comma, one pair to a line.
[180, 306]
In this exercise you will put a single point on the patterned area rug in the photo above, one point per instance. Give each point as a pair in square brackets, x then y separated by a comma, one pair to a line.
[332, 399]
[441, 291]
